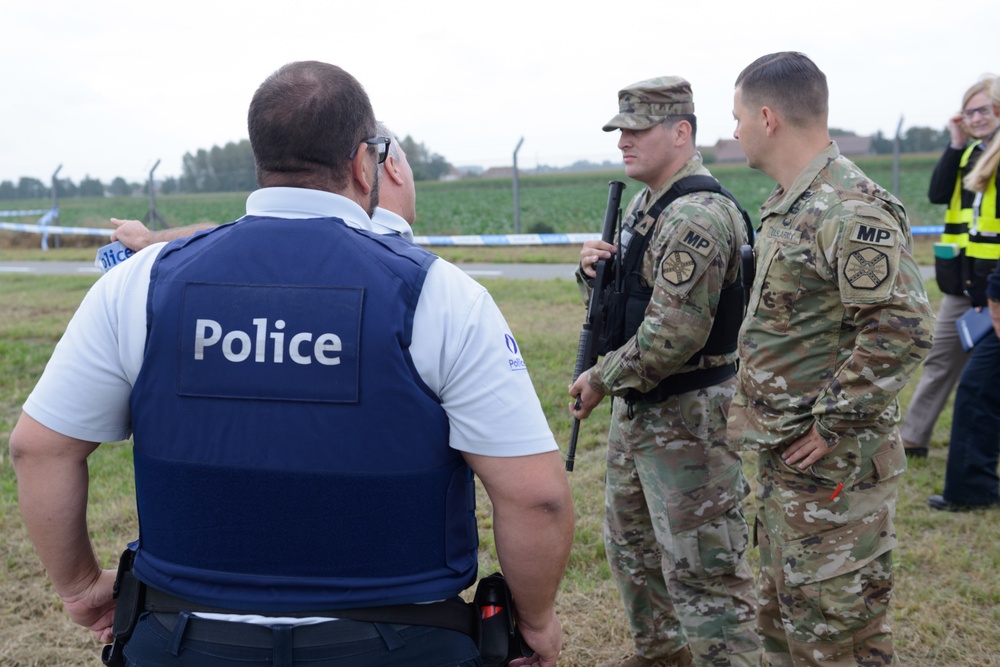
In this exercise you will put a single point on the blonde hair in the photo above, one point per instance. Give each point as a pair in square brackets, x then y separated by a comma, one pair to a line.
[985, 170]
[981, 86]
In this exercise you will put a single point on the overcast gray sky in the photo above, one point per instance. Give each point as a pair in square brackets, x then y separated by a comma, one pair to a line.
[106, 88]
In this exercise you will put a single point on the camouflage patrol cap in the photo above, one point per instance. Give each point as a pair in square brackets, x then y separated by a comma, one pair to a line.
[646, 103]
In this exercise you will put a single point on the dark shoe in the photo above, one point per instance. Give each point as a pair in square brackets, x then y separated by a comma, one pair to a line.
[939, 503]
[914, 451]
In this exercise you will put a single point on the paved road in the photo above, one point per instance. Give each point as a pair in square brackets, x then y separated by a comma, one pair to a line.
[512, 271]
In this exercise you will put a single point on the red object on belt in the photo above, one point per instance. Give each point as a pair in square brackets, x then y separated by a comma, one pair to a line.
[490, 610]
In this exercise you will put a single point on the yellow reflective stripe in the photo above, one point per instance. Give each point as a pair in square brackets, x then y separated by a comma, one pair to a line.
[955, 213]
[985, 243]
[961, 240]
[983, 250]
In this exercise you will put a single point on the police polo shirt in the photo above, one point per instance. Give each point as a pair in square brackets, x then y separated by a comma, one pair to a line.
[385, 221]
[462, 349]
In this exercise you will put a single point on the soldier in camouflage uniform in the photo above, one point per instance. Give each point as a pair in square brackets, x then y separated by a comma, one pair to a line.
[675, 533]
[838, 321]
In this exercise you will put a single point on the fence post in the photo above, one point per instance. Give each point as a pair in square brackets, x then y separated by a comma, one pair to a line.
[53, 216]
[517, 193]
[153, 219]
[895, 159]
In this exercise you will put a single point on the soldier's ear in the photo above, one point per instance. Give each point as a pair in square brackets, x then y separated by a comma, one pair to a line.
[682, 131]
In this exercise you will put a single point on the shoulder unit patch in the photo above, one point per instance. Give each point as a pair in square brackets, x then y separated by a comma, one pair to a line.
[867, 268]
[678, 267]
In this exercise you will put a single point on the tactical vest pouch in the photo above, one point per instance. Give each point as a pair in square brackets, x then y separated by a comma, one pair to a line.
[722, 339]
[614, 322]
[626, 310]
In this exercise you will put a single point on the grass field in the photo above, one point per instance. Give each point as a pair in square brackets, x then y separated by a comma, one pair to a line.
[947, 596]
[947, 604]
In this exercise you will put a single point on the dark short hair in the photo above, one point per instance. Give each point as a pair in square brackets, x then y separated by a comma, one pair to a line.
[304, 121]
[790, 83]
[670, 121]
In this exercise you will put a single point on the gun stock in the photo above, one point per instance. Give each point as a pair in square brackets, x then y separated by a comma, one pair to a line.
[586, 351]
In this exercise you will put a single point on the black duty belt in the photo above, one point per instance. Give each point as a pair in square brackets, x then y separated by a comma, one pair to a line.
[451, 614]
[682, 383]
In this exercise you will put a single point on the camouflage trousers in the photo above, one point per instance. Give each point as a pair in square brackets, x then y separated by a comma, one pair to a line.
[826, 554]
[675, 533]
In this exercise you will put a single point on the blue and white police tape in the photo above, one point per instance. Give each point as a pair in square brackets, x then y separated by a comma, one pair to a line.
[22, 214]
[505, 239]
[49, 229]
[467, 240]
[555, 239]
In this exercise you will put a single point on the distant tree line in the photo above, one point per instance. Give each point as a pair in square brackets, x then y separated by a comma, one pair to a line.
[32, 188]
[913, 140]
[230, 168]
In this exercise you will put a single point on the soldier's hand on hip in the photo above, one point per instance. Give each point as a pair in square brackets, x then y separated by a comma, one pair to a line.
[807, 450]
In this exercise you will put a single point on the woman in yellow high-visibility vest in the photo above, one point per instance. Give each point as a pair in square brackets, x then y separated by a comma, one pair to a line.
[971, 480]
[970, 130]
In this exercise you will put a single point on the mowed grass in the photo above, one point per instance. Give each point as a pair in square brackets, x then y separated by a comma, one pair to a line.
[947, 597]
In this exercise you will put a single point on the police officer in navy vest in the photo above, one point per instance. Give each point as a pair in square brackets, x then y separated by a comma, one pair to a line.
[308, 402]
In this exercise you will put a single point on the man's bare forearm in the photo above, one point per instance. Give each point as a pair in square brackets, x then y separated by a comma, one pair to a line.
[533, 546]
[52, 483]
[532, 525]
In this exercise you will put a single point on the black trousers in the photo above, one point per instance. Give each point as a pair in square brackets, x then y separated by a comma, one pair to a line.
[183, 640]
[971, 477]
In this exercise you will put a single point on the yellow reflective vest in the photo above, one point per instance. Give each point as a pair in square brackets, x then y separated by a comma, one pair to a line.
[983, 240]
[957, 218]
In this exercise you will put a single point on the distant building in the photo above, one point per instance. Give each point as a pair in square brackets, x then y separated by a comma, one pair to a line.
[729, 150]
[499, 172]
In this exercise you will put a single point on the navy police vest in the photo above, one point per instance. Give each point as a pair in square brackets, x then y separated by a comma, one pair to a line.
[287, 455]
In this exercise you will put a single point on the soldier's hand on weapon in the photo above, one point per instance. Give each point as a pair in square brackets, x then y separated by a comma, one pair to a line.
[586, 398]
[593, 251]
